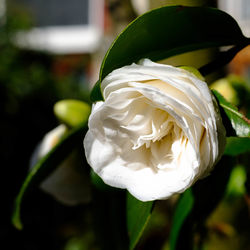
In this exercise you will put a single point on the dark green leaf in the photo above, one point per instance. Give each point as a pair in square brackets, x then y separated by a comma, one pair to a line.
[46, 165]
[183, 209]
[237, 145]
[209, 191]
[223, 58]
[169, 31]
[238, 121]
[197, 203]
[96, 93]
[98, 182]
[138, 214]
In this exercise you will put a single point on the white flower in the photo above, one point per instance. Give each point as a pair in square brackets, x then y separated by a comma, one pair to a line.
[68, 183]
[157, 132]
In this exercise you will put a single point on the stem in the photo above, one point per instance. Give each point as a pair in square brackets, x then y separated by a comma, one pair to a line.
[223, 58]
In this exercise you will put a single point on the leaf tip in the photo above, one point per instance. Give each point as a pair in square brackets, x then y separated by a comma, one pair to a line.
[96, 93]
[16, 220]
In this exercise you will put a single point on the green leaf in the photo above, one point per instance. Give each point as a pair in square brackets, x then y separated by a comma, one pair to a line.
[197, 203]
[138, 214]
[46, 165]
[96, 93]
[109, 219]
[237, 145]
[209, 191]
[99, 183]
[237, 120]
[72, 112]
[169, 31]
[223, 58]
[183, 209]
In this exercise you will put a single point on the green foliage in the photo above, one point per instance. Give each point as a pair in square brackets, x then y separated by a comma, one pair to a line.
[239, 123]
[158, 34]
[98, 182]
[169, 31]
[237, 145]
[138, 214]
[197, 203]
[96, 93]
[183, 209]
[45, 166]
[192, 208]
[235, 89]
[236, 183]
[194, 71]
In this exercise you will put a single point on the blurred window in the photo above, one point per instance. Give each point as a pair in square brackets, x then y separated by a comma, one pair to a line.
[245, 10]
[62, 26]
[54, 12]
[240, 10]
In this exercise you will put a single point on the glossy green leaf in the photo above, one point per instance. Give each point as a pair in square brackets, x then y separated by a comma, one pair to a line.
[223, 58]
[212, 188]
[237, 145]
[138, 214]
[237, 120]
[169, 31]
[72, 112]
[96, 93]
[183, 209]
[98, 182]
[46, 165]
[197, 203]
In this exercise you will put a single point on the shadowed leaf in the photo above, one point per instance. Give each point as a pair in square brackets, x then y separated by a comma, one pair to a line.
[166, 32]
[138, 214]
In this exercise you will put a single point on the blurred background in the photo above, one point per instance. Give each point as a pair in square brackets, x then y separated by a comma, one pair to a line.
[52, 50]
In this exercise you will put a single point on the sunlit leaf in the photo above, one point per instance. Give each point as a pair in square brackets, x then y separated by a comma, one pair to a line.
[138, 214]
[183, 209]
[169, 31]
[194, 71]
[238, 121]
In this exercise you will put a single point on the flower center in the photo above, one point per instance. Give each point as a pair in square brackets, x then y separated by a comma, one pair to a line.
[154, 135]
[162, 138]
[166, 152]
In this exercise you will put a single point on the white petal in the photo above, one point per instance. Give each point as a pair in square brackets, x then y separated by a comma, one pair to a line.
[157, 131]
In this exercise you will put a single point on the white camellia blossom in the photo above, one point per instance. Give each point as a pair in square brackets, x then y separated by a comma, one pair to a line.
[68, 183]
[157, 132]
